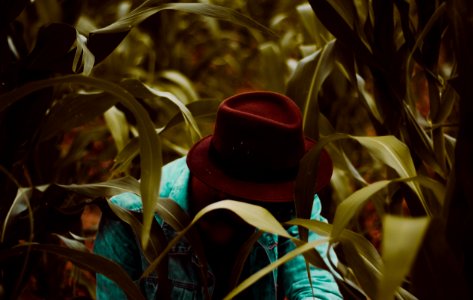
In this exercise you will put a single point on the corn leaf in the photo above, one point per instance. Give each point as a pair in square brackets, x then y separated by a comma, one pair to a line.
[198, 109]
[139, 89]
[83, 58]
[259, 274]
[172, 214]
[20, 204]
[418, 43]
[108, 188]
[125, 157]
[150, 146]
[188, 118]
[273, 64]
[368, 98]
[182, 82]
[316, 30]
[74, 110]
[118, 126]
[438, 189]
[178, 219]
[202, 109]
[333, 17]
[152, 7]
[86, 260]
[252, 214]
[245, 251]
[447, 102]
[345, 10]
[323, 68]
[72, 244]
[422, 143]
[361, 255]
[157, 241]
[402, 238]
[395, 154]
[348, 208]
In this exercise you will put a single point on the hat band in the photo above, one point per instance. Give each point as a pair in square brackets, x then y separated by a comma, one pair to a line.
[243, 171]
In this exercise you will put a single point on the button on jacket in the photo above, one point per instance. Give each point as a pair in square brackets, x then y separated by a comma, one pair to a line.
[116, 241]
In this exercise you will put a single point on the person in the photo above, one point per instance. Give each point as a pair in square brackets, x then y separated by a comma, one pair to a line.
[253, 156]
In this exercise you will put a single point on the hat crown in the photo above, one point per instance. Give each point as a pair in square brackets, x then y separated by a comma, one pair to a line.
[255, 150]
[258, 136]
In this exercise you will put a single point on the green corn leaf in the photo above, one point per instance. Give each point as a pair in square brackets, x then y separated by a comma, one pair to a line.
[179, 220]
[366, 249]
[334, 18]
[106, 189]
[361, 255]
[259, 274]
[345, 10]
[83, 58]
[157, 241]
[421, 141]
[439, 12]
[395, 154]
[304, 186]
[20, 204]
[298, 85]
[118, 126]
[188, 118]
[316, 30]
[348, 208]
[125, 157]
[402, 238]
[363, 11]
[152, 7]
[252, 214]
[80, 144]
[150, 146]
[202, 109]
[182, 82]
[139, 89]
[172, 214]
[323, 68]
[72, 244]
[273, 64]
[245, 251]
[447, 103]
[74, 110]
[450, 144]
[391, 151]
[438, 189]
[388, 149]
[86, 260]
[369, 100]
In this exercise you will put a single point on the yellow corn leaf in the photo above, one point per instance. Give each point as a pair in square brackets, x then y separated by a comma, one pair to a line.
[254, 215]
[395, 154]
[402, 238]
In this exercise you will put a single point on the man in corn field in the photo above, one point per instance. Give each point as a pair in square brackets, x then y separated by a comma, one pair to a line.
[253, 156]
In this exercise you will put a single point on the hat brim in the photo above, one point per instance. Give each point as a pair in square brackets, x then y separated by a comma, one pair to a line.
[207, 171]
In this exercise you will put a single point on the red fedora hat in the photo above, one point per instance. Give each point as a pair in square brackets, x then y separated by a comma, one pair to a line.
[255, 149]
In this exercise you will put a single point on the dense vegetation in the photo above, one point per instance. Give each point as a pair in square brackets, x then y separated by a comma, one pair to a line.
[97, 94]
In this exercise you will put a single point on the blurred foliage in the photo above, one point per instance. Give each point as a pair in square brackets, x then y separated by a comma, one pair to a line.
[96, 94]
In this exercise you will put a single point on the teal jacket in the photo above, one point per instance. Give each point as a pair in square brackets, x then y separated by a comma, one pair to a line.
[116, 241]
